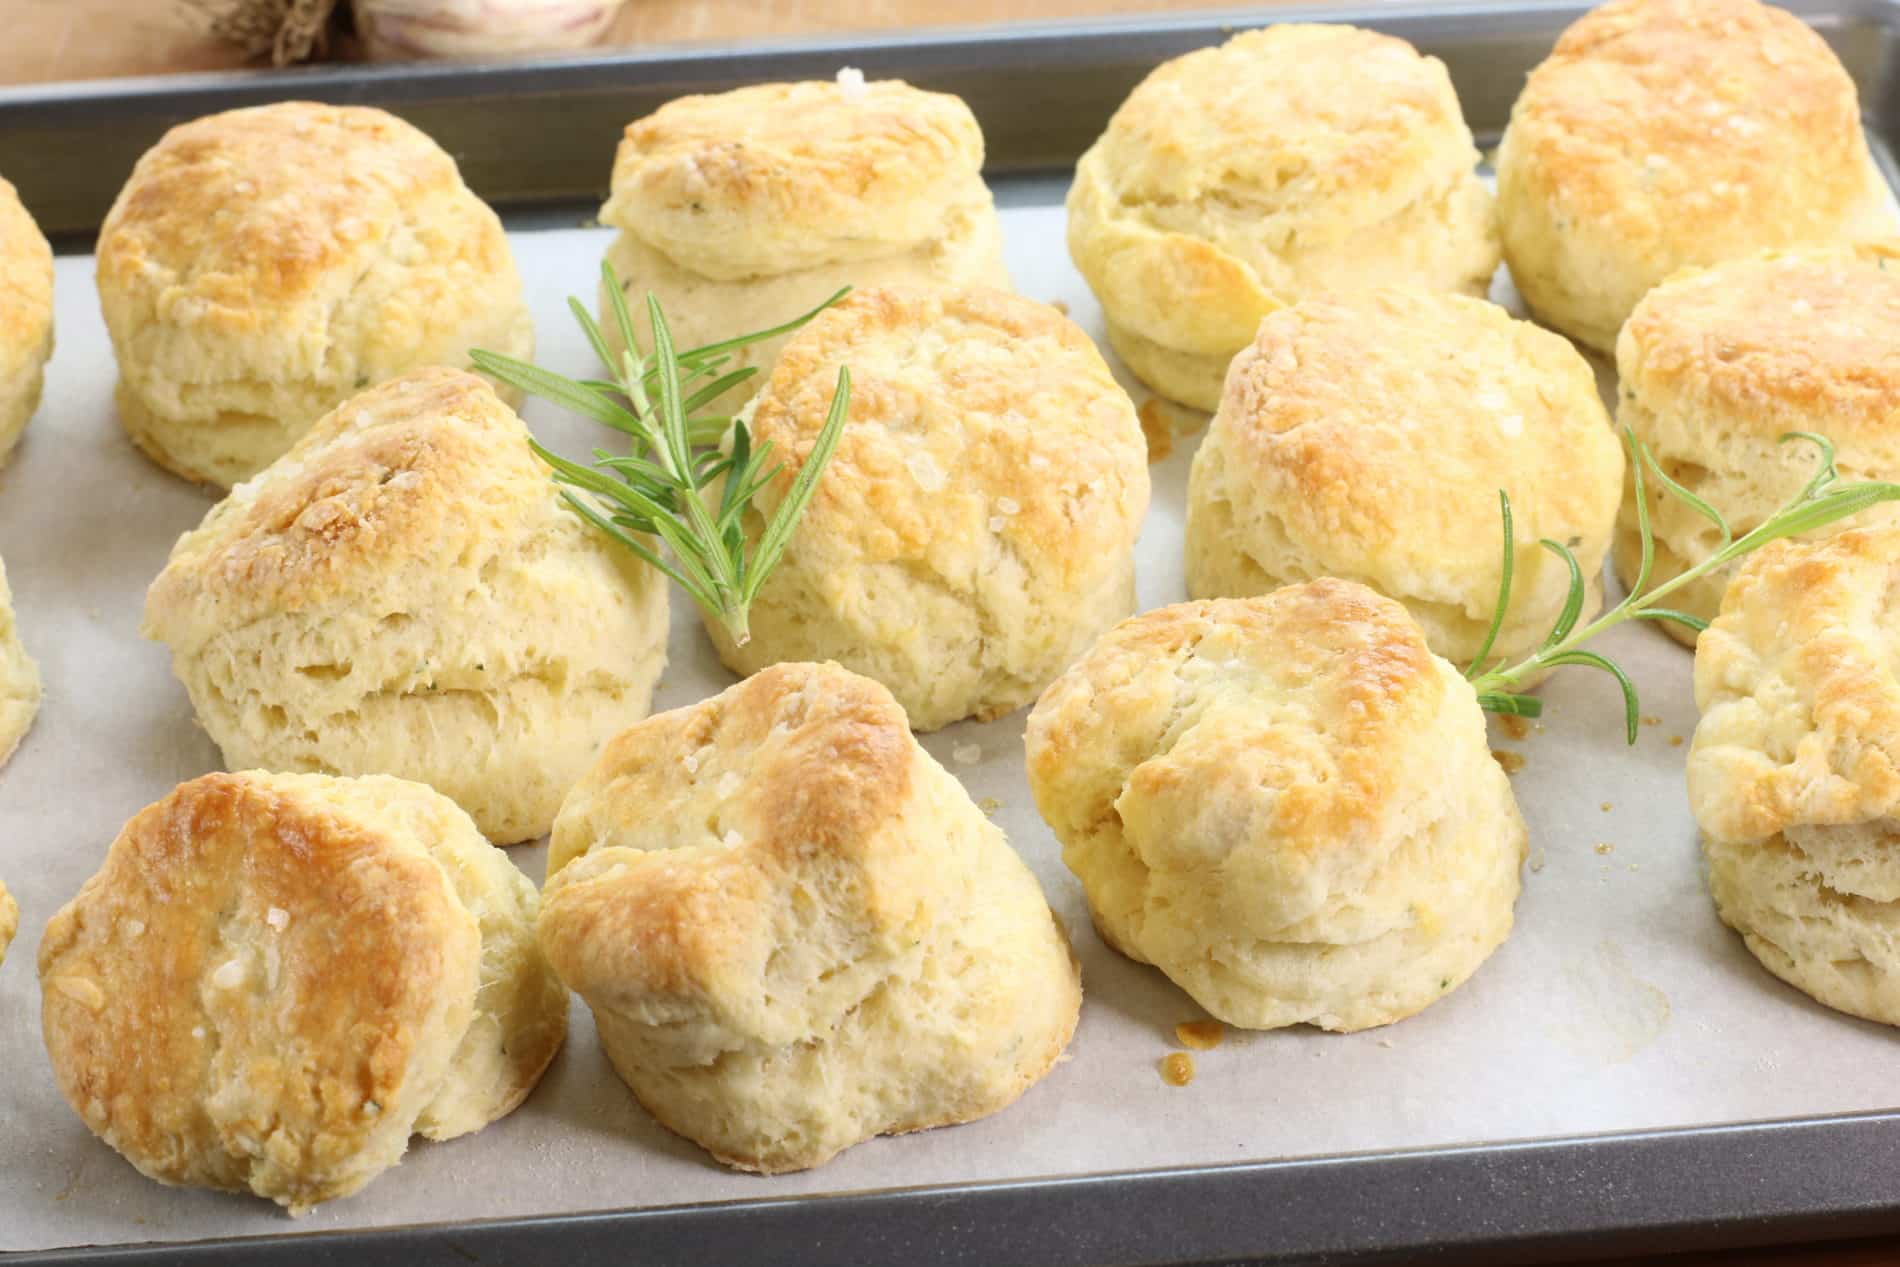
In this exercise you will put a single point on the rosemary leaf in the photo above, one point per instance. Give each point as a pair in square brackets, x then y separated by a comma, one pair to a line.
[664, 488]
[1822, 502]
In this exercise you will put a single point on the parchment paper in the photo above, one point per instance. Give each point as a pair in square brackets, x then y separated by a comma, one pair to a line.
[1619, 1003]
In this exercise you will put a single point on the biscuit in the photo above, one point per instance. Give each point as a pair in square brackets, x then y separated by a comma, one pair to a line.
[19, 678]
[263, 265]
[1716, 365]
[1794, 773]
[1368, 437]
[274, 981]
[1291, 161]
[1666, 133]
[405, 593]
[9, 920]
[796, 931]
[743, 210]
[26, 316]
[975, 528]
[1286, 803]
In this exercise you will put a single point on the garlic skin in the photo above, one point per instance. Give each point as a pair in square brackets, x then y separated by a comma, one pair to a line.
[478, 30]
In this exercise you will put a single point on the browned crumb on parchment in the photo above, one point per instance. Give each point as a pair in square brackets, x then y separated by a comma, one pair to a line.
[1514, 726]
[1200, 1035]
[1649, 719]
[1675, 741]
[1511, 761]
[1606, 807]
[1605, 848]
[1177, 1069]
[1157, 427]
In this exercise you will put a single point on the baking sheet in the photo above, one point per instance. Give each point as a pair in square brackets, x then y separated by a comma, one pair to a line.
[1618, 1004]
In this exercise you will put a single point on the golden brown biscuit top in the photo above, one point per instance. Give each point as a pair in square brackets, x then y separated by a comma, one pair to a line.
[716, 180]
[1286, 117]
[1380, 428]
[1795, 679]
[1649, 111]
[975, 414]
[409, 474]
[1305, 711]
[678, 859]
[26, 283]
[244, 938]
[1816, 331]
[239, 215]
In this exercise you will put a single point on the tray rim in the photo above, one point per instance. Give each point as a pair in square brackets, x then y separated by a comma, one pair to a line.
[1537, 1200]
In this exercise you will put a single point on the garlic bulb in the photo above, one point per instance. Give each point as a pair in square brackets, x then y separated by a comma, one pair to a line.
[474, 30]
[284, 30]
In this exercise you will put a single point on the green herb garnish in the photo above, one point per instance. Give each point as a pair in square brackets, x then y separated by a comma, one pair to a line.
[1821, 502]
[682, 447]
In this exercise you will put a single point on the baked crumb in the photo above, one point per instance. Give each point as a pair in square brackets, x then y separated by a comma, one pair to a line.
[1511, 761]
[1200, 1035]
[1514, 726]
[1605, 848]
[1177, 1069]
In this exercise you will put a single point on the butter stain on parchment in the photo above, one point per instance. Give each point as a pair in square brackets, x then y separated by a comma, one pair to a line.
[1613, 1013]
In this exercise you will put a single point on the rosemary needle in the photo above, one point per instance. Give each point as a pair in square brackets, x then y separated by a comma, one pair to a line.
[693, 472]
[1824, 500]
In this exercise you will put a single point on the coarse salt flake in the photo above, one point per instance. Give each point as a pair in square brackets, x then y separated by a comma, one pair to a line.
[229, 976]
[851, 84]
[134, 927]
[1008, 505]
[924, 469]
[277, 917]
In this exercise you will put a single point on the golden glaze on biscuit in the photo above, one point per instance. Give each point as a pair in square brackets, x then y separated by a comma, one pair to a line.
[405, 592]
[19, 678]
[1286, 803]
[274, 980]
[263, 264]
[1367, 438]
[26, 316]
[778, 177]
[974, 529]
[1288, 161]
[1716, 365]
[1665, 133]
[1794, 773]
[795, 929]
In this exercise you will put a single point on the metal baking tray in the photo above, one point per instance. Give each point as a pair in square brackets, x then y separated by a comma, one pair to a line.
[533, 138]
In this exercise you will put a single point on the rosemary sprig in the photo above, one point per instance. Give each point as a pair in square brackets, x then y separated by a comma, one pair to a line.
[1821, 502]
[664, 401]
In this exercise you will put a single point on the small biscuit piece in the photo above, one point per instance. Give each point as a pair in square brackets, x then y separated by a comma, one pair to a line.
[274, 980]
[26, 316]
[1285, 803]
[1666, 133]
[405, 593]
[1368, 437]
[742, 210]
[1716, 365]
[9, 920]
[975, 528]
[1794, 774]
[1288, 162]
[262, 265]
[19, 678]
[796, 931]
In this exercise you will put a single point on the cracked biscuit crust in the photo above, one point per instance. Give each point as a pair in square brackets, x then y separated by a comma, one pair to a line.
[273, 981]
[405, 593]
[263, 264]
[1286, 803]
[1794, 774]
[975, 528]
[794, 928]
